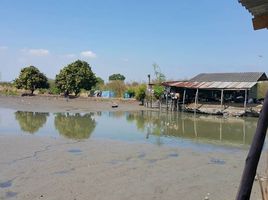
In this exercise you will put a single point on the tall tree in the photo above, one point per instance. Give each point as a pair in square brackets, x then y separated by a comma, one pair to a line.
[74, 77]
[117, 77]
[31, 78]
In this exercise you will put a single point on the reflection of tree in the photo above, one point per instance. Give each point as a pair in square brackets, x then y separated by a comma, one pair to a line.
[75, 126]
[31, 122]
[140, 119]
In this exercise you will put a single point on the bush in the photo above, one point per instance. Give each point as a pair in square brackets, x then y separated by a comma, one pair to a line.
[141, 92]
[54, 90]
[118, 87]
[131, 92]
[158, 91]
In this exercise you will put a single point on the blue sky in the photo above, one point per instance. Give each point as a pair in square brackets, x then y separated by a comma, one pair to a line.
[127, 36]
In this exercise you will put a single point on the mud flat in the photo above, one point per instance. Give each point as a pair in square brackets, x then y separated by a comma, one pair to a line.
[61, 104]
[35, 168]
[43, 167]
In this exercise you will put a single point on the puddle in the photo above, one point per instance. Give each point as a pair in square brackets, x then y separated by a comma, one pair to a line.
[75, 151]
[10, 194]
[6, 184]
[173, 155]
[205, 133]
[217, 161]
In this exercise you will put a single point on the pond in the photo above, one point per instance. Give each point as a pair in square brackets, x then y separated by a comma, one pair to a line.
[182, 129]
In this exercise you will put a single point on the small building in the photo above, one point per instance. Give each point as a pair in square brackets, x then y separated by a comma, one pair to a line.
[220, 87]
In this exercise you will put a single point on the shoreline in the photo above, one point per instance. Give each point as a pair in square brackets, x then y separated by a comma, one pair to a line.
[61, 104]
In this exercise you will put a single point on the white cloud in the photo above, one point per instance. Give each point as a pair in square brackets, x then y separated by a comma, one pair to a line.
[2, 48]
[88, 54]
[36, 52]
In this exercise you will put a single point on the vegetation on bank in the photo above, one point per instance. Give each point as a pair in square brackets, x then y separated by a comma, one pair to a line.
[77, 78]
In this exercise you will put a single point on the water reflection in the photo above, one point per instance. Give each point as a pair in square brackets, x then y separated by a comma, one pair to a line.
[195, 127]
[31, 122]
[156, 127]
[75, 126]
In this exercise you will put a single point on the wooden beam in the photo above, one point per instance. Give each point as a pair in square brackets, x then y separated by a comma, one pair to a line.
[221, 97]
[246, 99]
[254, 154]
[183, 99]
[260, 22]
[196, 99]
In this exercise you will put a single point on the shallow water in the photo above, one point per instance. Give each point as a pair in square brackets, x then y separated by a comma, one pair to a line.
[183, 129]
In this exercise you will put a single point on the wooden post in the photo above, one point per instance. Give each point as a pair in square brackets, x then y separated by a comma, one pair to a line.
[177, 104]
[183, 99]
[254, 154]
[221, 98]
[196, 99]
[246, 98]
[167, 100]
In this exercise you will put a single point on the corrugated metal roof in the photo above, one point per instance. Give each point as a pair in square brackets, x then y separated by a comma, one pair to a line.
[259, 9]
[230, 77]
[255, 7]
[211, 85]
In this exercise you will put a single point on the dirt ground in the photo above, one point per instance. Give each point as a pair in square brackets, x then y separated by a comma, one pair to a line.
[61, 104]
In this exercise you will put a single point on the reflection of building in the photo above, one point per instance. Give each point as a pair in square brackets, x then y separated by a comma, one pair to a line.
[220, 87]
[207, 129]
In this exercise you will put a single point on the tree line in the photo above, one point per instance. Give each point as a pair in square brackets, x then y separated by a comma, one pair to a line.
[74, 78]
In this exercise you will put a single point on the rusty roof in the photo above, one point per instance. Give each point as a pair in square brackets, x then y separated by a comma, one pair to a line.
[211, 85]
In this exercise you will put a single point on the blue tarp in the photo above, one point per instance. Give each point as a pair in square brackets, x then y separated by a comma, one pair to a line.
[126, 95]
[107, 94]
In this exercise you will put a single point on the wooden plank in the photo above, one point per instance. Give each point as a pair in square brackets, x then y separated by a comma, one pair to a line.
[246, 99]
[254, 154]
[260, 22]
[196, 99]
[183, 100]
[221, 98]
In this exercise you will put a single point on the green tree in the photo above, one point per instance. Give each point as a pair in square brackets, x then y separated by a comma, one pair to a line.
[31, 122]
[117, 77]
[75, 126]
[158, 91]
[99, 84]
[116, 86]
[31, 78]
[74, 77]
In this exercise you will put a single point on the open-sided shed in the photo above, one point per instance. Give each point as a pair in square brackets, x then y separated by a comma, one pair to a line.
[219, 86]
